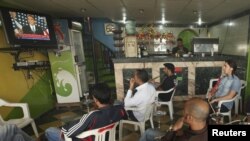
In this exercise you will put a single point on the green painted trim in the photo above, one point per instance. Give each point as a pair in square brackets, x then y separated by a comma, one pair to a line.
[187, 36]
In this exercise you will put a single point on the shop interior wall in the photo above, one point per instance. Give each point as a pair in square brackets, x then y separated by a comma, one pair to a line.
[233, 37]
[15, 86]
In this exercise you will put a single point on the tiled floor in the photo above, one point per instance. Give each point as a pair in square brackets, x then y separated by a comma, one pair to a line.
[57, 118]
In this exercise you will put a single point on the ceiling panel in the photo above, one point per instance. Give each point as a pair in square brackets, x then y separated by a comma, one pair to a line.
[175, 11]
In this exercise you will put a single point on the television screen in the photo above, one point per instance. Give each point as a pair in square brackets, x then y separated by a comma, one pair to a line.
[28, 29]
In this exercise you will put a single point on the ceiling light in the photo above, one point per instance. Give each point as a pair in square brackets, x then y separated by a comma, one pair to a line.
[199, 21]
[163, 21]
[230, 24]
[124, 20]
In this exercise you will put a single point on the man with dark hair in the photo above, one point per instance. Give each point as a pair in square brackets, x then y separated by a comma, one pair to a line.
[180, 49]
[195, 115]
[168, 82]
[104, 115]
[32, 28]
[140, 96]
[228, 87]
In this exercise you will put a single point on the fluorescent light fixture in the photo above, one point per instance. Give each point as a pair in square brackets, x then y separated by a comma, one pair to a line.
[230, 24]
[199, 21]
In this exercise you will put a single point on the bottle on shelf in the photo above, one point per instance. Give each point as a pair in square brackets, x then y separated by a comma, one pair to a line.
[139, 52]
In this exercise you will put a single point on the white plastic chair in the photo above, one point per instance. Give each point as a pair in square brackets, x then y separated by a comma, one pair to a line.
[238, 101]
[229, 112]
[211, 84]
[168, 103]
[148, 116]
[21, 122]
[99, 133]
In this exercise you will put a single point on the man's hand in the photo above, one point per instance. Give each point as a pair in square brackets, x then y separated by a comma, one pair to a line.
[179, 123]
[209, 96]
[131, 83]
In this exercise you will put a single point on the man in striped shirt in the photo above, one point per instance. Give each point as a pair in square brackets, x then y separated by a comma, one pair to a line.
[104, 115]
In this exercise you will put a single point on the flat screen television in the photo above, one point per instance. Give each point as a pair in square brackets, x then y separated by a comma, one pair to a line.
[25, 29]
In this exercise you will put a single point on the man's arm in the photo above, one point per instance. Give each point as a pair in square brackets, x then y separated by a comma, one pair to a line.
[132, 100]
[171, 133]
[230, 95]
[129, 99]
[74, 128]
[233, 90]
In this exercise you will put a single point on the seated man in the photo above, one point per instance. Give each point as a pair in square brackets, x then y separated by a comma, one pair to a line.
[195, 114]
[139, 97]
[13, 133]
[168, 82]
[226, 88]
[104, 115]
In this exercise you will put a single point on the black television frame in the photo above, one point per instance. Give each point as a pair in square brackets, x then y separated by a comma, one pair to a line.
[16, 43]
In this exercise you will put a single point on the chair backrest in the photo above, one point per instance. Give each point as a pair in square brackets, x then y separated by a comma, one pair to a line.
[212, 83]
[99, 133]
[2, 102]
[170, 91]
[243, 84]
[149, 111]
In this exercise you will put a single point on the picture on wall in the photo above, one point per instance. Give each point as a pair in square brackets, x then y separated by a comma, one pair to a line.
[108, 28]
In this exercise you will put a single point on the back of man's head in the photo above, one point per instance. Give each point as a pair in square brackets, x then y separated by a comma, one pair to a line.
[198, 109]
[102, 93]
[142, 74]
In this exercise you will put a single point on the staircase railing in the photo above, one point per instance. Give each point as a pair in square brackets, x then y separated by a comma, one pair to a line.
[104, 56]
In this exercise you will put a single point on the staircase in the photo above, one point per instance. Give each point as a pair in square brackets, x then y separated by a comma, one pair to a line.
[100, 68]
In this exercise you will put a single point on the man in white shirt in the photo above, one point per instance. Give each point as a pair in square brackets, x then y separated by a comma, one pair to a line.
[139, 97]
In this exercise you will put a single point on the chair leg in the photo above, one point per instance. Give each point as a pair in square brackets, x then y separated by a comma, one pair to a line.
[240, 105]
[151, 122]
[236, 106]
[120, 130]
[135, 127]
[33, 124]
[142, 128]
[171, 111]
[230, 118]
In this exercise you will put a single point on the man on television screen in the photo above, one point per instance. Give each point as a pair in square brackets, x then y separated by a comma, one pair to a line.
[32, 28]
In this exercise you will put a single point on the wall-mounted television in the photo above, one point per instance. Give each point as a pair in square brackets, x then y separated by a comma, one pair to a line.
[26, 29]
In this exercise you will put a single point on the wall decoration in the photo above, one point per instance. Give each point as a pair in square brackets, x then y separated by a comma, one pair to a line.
[108, 28]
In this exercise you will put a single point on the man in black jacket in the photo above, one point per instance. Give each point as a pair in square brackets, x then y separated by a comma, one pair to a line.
[104, 115]
[195, 115]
